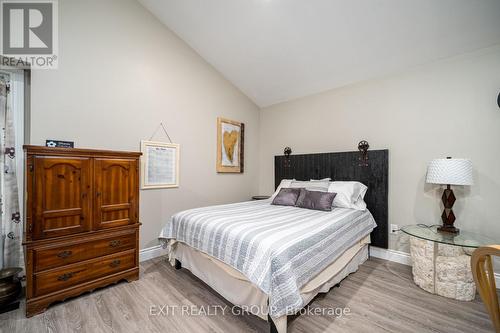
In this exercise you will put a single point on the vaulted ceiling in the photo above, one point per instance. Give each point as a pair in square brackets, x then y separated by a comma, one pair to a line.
[278, 50]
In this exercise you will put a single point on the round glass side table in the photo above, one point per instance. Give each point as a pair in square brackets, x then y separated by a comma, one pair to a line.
[441, 261]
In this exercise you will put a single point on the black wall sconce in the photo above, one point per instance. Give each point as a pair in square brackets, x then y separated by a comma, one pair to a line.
[498, 100]
[363, 147]
[287, 151]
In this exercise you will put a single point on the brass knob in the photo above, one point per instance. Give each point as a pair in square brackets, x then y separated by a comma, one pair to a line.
[65, 277]
[115, 263]
[64, 254]
[115, 243]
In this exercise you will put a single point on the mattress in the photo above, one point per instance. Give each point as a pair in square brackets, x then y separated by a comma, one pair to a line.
[277, 248]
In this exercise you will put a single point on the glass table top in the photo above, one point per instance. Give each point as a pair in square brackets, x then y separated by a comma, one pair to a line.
[464, 238]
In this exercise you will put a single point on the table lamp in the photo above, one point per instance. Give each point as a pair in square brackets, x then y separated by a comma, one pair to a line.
[449, 171]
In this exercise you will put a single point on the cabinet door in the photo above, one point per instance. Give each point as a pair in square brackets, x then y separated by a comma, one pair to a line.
[116, 192]
[61, 203]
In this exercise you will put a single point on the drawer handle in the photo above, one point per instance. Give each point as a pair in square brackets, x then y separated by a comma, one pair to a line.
[65, 276]
[115, 263]
[64, 254]
[115, 243]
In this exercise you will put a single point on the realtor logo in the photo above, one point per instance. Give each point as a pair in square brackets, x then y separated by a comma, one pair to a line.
[29, 33]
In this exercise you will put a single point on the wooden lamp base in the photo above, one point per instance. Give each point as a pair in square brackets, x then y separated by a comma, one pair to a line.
[450, 230]
[448, 217]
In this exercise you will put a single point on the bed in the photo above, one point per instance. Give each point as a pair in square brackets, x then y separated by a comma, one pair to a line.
[271, 260]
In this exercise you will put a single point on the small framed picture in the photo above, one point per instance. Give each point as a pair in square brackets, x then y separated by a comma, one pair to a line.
[160, 165]
[230, 137]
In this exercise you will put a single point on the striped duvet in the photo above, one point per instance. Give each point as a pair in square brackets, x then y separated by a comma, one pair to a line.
[277, 248]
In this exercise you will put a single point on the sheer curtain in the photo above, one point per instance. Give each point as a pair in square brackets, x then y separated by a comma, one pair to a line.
[9, 196]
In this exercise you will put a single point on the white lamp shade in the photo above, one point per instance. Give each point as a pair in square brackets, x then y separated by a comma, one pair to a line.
[450, 171]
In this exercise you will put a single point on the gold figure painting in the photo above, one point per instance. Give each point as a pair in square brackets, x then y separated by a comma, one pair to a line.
[230, 135]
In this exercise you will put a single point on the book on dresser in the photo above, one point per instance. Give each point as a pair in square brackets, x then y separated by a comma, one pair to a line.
[82, 226]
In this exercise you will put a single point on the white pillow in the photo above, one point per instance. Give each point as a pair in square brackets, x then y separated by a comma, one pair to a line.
[360, 204]
[313, 185]
[285, 183]
[349, 194]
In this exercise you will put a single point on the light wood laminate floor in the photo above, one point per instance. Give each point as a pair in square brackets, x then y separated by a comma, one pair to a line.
[381, 297]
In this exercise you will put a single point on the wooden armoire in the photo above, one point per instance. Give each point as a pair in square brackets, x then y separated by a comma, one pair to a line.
[82, 226]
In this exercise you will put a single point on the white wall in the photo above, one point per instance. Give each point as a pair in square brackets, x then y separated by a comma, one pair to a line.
[443, 109]
[120, 73]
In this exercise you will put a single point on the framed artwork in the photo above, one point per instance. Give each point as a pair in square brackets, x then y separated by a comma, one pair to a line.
[160, 165]
[230, 144]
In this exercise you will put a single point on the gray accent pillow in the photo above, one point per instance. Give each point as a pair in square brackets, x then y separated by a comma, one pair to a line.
[286, 197]
[315, 200]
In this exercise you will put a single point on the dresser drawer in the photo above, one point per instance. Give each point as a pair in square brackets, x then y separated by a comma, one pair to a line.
[58, 279]
[47, 258]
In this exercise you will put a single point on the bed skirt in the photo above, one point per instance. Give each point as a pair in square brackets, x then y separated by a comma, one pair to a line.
[237, 289]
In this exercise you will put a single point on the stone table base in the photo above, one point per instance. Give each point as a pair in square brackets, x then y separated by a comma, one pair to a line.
[442, 269]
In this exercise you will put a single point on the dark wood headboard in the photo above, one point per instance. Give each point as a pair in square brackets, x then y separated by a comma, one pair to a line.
[346, 166]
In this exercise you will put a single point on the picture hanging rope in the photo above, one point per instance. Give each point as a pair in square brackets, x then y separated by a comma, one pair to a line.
[164, 130]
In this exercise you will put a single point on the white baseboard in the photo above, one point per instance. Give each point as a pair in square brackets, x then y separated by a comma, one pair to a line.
[151, 252]
[404, 258]
[391, 255]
